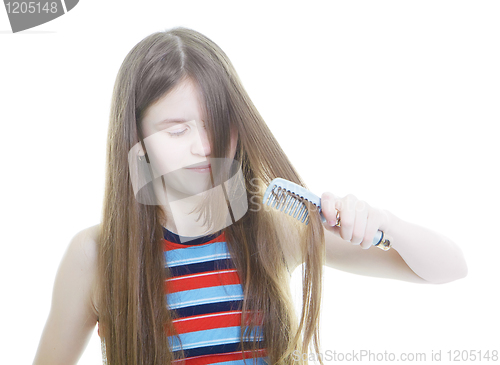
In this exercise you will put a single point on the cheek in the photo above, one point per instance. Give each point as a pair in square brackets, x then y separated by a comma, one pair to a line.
[234, 143]
[166, 157]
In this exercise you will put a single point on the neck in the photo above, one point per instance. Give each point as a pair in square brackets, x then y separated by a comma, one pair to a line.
[186, 214]
[182, 220]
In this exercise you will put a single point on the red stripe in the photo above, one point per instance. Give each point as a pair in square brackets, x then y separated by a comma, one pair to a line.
[206, 322]
[212, 359]
[167, 245]
[202, 280]
[210, 321]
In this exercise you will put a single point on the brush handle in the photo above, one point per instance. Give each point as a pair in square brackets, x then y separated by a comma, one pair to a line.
[378, 241]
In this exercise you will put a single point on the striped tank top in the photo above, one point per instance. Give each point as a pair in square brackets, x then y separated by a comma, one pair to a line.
[206, 293]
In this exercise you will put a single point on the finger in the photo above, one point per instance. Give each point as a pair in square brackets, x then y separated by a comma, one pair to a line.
[335, 230]
[360, 220]
[328, 208]
[371, 229]
[378, 220]
[347, 216]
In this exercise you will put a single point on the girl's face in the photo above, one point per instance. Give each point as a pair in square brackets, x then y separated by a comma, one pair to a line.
[176, 140]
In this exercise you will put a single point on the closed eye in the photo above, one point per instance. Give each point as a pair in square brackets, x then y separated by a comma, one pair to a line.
[178, 134]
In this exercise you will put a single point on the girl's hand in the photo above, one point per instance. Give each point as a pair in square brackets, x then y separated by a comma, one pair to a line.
[359, 222]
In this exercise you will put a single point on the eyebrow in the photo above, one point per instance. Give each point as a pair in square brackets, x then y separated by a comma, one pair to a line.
[172, 121]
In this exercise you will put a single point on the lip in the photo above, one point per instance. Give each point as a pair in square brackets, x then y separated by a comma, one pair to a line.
[201, 168]
[204, 166]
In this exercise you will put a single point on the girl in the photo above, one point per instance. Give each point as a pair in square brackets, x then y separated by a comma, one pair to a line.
[187, 263]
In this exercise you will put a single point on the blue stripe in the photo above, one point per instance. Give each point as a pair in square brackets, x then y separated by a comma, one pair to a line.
[260, 361]
[208, 266]
[211, 337]
[195, 254]
[197, 310]
[214, 294]
[220, 350]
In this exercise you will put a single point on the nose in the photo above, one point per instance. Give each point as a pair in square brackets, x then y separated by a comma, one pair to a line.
[201, 144]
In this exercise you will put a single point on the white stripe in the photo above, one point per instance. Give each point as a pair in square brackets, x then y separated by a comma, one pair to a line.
[212, 342]
[224, 341]
[200, 275]
[204, 316]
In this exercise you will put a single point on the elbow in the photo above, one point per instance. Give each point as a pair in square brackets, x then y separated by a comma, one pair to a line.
[455, 269]
[449, 278]
[459, 271]
[462, 271]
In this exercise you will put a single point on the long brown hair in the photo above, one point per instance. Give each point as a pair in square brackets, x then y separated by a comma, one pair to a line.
[133, 313]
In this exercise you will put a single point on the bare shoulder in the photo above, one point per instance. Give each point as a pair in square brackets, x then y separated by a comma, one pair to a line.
[91, 233]
[85, 243]
[72, 315]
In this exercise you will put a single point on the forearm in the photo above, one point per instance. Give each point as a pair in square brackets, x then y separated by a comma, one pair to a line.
[430, 255]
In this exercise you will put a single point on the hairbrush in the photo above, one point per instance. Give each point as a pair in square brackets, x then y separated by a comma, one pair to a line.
[288, 197]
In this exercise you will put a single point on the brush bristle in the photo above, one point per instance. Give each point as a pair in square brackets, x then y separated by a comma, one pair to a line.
[287, 201]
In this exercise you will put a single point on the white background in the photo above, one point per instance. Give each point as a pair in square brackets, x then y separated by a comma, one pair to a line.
[396, 102]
